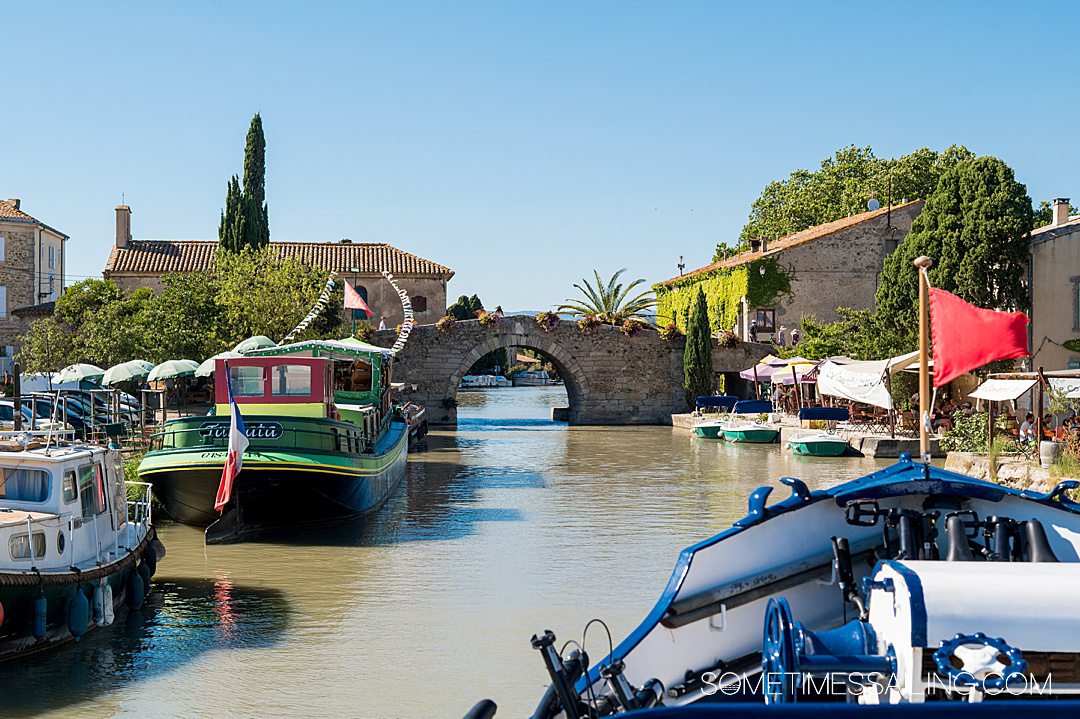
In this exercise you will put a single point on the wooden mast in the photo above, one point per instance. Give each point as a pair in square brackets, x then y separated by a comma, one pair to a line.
[924, 263]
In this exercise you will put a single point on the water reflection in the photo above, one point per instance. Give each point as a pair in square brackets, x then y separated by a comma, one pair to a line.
[179, 623]
[510, 525]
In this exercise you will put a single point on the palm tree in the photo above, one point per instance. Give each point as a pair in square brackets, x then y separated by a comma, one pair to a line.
[608, 303]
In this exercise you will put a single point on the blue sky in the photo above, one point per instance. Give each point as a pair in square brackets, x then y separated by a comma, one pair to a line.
[521, 144]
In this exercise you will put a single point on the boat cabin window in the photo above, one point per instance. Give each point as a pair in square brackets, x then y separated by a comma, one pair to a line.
[21, 484]
[19, 546]
[7, 413]
[91, 490]
[71, 487]
[247, 381]
[290, 380]
[360, 377]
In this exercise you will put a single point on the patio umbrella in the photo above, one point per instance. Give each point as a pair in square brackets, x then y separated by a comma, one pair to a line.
[763, 370]
[130, 371]
[80, 372]
[207, 367]
[257, 342]
[171, 369]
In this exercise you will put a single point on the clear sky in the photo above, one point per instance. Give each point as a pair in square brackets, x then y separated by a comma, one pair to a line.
[521, 144]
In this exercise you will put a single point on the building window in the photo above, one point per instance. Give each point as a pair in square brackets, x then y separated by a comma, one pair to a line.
[52, 257]
[765, 319]
[3, 301]
[3, 248]
[419, 303]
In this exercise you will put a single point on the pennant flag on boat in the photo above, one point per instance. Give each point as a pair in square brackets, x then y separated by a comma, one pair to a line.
[966, 337]
[353, 300]
[238, 442]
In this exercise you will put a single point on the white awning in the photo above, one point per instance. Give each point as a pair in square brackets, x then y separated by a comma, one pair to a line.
[859, 382]
[1002, 390]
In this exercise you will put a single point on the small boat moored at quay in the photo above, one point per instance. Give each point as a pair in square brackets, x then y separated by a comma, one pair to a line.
[76, 551]
[713, 427]
[326, 443]
[911, 585]
[821, 443]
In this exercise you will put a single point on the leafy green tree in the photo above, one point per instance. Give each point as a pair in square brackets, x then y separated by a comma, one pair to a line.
[611, 303]
[841, 187]
[975, 228]
[465, 307]
[183, 321]
[245, 219]
[47, 346]
[697, 357]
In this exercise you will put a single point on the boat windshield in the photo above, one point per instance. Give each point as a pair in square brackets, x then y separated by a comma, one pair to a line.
[22, 484]
[290, 380]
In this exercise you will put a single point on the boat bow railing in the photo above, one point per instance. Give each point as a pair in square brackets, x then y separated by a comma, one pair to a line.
[141, 508]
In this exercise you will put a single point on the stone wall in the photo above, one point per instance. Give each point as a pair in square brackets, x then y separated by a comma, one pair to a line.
[17, 274]
[610, 378]
[840, 269]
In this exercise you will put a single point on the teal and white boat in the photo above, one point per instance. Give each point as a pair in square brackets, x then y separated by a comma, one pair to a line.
[751, 433]
[821, 443]
[713, 427]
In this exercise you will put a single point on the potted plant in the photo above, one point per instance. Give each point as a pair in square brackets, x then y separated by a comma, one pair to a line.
[548, 321]
[669, 332]
[588, 324]
[446, 323]
[632, 326]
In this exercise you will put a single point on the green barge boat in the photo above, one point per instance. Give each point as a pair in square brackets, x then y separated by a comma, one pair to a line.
[325, 442]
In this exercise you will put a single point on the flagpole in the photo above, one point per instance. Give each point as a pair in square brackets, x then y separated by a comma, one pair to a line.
[924, 263]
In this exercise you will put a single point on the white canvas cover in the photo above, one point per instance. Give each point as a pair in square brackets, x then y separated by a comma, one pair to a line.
[862, 381]
[1002, 390]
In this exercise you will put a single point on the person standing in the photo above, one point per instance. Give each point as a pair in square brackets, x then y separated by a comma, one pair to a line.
[382, 322]
[794, 336]
[753, 331]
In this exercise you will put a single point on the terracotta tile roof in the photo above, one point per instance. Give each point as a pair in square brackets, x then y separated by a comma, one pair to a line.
[8, 211]
[798, 238]
[159, 257]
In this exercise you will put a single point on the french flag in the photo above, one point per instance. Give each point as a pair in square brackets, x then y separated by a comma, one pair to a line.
[238, 442]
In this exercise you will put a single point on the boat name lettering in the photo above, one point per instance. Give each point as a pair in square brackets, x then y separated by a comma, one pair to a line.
[254, 430]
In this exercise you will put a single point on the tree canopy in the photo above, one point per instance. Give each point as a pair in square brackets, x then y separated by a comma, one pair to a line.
[250, 292]
[465, 308]
[245, 220]
[840, 187]
[975, 228]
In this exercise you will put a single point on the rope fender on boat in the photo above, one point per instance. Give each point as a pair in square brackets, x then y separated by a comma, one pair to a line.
[36, 578]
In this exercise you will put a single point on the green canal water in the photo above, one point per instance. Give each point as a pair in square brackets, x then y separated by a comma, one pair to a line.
[507, 526]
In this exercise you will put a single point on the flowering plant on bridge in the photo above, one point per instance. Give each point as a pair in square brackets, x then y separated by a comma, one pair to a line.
[728, 340]
[669, 332]
[548, 321]
[487, 319]
[589, 324]
[446, 323]
[632, 326]
[364, 331]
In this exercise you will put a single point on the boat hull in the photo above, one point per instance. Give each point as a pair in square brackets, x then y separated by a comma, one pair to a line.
[278, 489]
[710, 431]
[818, 447]
[751, 436]
[20, 590]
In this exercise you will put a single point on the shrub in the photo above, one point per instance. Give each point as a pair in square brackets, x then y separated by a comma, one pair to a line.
[968, 434]
[728, 340]
[364, 331]
[487, 319]
[548, 321]
[632, 326]
[669, 332]
[589, 324]
[446, 323]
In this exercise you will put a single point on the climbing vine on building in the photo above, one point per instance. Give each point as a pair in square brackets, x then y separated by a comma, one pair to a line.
[724, 289]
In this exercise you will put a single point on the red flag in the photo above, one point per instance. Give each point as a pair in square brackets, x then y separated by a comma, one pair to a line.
[353, 300]
[966, 337]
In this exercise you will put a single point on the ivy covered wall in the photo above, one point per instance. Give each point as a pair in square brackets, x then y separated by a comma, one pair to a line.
[724, 289]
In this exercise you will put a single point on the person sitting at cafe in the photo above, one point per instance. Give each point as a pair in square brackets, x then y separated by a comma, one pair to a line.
[1027, 429]
[941, 419]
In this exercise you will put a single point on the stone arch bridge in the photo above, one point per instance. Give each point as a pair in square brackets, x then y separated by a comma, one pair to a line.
[610, 378]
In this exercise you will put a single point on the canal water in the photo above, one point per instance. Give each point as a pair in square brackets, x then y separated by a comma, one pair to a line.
[508, 526]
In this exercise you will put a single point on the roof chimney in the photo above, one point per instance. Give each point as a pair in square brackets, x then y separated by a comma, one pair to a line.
[764, 245]
[1061, 210]
[755, 245]
[15, 202]
[123, 226]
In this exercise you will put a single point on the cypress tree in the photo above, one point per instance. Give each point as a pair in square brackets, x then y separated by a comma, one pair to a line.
[245, 221]
[697, 358]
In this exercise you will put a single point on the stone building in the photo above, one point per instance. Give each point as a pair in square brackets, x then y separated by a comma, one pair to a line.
[1055, 290]
[143, 263]
[775, 284]
[31, 273]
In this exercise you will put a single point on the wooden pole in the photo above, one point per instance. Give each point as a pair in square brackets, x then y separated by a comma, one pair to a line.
[757, 387]
[990, 425]
[16, 391]
[924, 264]
[795, 381]
[1039, 417]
